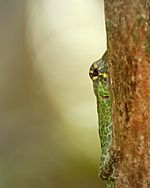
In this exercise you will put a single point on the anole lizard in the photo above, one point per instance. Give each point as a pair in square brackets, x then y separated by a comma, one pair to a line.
[100, 77]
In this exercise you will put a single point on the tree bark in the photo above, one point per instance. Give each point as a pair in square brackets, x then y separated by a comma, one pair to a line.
[128, 43]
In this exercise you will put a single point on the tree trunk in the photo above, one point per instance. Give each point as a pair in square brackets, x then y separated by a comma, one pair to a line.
[128, 43]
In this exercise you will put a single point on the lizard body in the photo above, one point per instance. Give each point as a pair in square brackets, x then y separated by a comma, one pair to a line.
[100, 77]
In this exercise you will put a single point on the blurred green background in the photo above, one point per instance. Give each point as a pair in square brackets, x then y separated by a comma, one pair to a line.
[48, 120]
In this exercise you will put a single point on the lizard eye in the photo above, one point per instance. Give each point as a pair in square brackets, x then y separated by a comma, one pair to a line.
[95, 72]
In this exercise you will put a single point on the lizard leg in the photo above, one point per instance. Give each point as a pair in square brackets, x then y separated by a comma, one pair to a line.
[107, 164]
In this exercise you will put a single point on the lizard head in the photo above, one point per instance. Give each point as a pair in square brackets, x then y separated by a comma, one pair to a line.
[99, 75]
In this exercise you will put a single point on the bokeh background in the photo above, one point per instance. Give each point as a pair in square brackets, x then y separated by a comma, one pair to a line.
[48, 120]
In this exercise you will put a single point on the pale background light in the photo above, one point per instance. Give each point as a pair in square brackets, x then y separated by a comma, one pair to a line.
[49, 131]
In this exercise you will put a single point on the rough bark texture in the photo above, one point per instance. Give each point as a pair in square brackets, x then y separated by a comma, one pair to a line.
[128, 42]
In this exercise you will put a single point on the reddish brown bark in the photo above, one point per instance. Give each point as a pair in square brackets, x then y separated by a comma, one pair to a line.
[128, 42]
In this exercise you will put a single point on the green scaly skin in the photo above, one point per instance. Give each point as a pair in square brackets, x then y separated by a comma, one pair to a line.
[99, 75]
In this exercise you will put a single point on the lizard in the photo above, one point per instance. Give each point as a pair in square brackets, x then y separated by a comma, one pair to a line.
[99, 74]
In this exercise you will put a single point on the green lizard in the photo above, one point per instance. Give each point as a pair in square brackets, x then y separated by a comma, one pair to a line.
[99, 75]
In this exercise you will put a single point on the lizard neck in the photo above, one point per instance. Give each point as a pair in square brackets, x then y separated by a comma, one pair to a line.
[104, 114]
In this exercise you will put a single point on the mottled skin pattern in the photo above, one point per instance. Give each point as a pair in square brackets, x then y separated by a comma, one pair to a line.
[99, 75]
